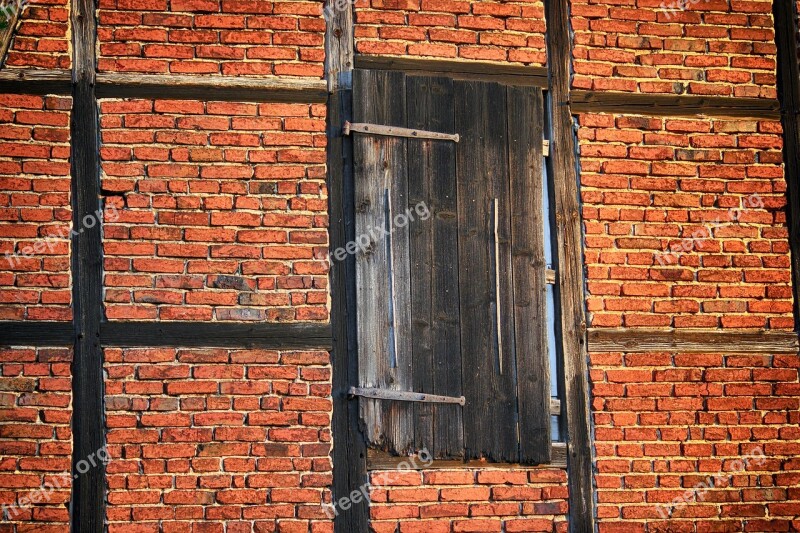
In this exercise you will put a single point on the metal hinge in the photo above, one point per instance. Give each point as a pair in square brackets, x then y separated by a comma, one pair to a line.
[392, 131]
[403, 396]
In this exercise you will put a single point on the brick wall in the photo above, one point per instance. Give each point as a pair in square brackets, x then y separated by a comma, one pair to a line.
[229, 37]
[42, 38]
[708, 192]
[469, 500]
[712, 47]
[665, 422]
[222, 210]
[35, 213]
[218, 440]
[35, 439]
[510, 32]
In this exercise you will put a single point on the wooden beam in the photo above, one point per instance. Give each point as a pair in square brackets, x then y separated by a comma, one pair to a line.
[574, 386]
[188, 87]
[464, 70]
[692, 341]
[288, 336]
[35, 81]
[349, 449]
[380, 460]
[88, 419]
[673, 105]
[10, 12]
[785, 14]
[36, 333]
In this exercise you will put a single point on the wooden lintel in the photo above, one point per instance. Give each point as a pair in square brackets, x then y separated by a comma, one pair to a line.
[35, 81]
[673, 105]
[470, 70]
[404, 396]
[181, 87]
[380, 460]
[394, 131]
[217, 335]
[33, 333]
[693, 341]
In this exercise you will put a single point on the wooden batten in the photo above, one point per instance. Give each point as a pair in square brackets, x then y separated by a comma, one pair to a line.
[380, 460]
[673, 105]
[461, 70]
[693, 341]
[182, 87]
[35, 81]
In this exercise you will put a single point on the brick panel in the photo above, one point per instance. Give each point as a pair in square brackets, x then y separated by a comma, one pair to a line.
[213, 440]
[712, 47]
[222, 211]
[510, 32]
[664, 423]
[685, 223]
[229, 37]
[35, 212]
[469, 499]
[43, 36]
[35, 439]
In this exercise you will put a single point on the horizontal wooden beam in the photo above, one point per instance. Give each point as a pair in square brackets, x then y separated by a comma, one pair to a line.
[693, 341]
[469, 70]
[380, 460]
[673, 105]
[217, 335]
[35, 81]
[189, 87]
[37, 334]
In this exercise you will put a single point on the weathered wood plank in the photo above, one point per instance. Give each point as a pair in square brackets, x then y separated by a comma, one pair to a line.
[35, 81]
[220, 335]
[786, 31]
[490, 426]
[458, 70]
[185, 86]
[673, 105]
[692, 341]
[378, 460]
[37, 334]
[525, 134]
[88, 420]
[563, 166]
[434, 260]
[349, 448]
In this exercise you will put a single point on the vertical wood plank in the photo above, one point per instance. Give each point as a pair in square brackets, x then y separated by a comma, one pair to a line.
[785, 13]
[525, 136]
[490, 425]
[434, 261]
[88, 489]
[383, 294]
[563, 160]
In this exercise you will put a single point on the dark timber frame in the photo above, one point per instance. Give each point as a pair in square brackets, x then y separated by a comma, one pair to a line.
[786, 30]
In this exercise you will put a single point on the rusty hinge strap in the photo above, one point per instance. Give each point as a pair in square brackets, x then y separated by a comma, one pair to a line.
[393, 131]
[403, 396]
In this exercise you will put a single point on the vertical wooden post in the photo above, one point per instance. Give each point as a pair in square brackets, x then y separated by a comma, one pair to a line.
[563, 160]
[785, 13]
[349, 446]
[88, 491]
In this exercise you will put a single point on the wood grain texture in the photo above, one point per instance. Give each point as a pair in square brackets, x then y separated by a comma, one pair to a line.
[88, 424]
[458, 70]
[786, 31]
[35, 81]
[378, 460]
[217, 335]
[525, 134]
[36, 334]
[434, 261]
[692, 341]
[184, 86]
[673, 105]
[349, 445]
[569, 295]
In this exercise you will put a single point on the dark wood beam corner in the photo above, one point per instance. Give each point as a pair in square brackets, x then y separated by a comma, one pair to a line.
[785, 15]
